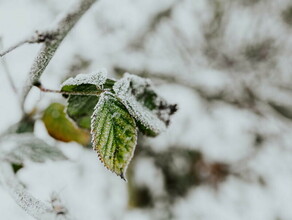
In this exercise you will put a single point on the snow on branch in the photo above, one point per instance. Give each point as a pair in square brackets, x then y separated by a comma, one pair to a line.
[57, 33]
[34, 207]
[37, 37]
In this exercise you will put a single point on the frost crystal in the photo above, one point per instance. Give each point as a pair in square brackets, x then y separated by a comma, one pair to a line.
[114, 133]
[98, 78]
[128, 89]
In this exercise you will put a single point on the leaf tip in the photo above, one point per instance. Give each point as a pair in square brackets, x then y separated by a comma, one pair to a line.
[122, 175]
[37, 84]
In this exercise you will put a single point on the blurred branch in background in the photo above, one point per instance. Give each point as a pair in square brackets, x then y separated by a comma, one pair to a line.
[25, 200]
[15, 150]
[6, 70]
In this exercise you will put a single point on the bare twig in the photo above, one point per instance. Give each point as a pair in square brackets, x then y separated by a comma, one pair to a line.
[60, 31]
[34, 207]
[9, 77]
[18, 44]
[6, 70]
[37, 37]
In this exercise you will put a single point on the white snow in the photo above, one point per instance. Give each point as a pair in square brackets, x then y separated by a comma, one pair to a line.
[97, 78]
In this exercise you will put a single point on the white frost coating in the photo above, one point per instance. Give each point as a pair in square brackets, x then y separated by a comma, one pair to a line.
[102, 99]
[34, 207]
[18, 148]
[123, 90]
[100, 103]
[97, 78]
[27, 202]
[96, 132]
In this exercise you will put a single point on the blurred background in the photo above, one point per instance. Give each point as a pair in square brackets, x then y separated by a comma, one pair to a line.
[227, 154]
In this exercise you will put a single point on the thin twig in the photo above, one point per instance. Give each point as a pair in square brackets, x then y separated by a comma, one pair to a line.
[6, 70]
[37, 37]
[9, 77]
[18, 44]
[61, 29]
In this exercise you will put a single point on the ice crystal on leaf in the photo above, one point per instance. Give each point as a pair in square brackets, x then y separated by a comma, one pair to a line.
[97, 78]
[114, 133]
[151, 111]
[80, 107]
[113, 110]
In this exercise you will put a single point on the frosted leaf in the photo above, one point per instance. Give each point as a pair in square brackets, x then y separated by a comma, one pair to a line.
[18, 148]
[80, 107]
[114, 134]
[150, 110]
[97, 78]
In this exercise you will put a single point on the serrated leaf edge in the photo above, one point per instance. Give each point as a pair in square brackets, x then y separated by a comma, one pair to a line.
[93, 135]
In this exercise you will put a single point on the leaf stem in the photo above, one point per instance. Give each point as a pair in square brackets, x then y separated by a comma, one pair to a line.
[69, 92]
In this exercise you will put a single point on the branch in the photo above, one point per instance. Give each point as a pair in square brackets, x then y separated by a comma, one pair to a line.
[27, 202]
[59, 31]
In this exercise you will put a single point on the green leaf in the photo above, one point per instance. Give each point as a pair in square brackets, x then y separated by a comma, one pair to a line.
[150, 110]
[114, 133]
[80, 107]
[61, 128]
[18, 148]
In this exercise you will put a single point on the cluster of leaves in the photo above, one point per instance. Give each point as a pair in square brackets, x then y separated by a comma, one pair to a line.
[114, 111]
[109, 112]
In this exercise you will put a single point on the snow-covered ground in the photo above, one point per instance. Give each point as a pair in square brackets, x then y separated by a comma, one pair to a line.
[227, 64]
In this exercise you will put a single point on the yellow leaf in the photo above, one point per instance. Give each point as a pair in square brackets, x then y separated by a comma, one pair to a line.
[61, 128]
